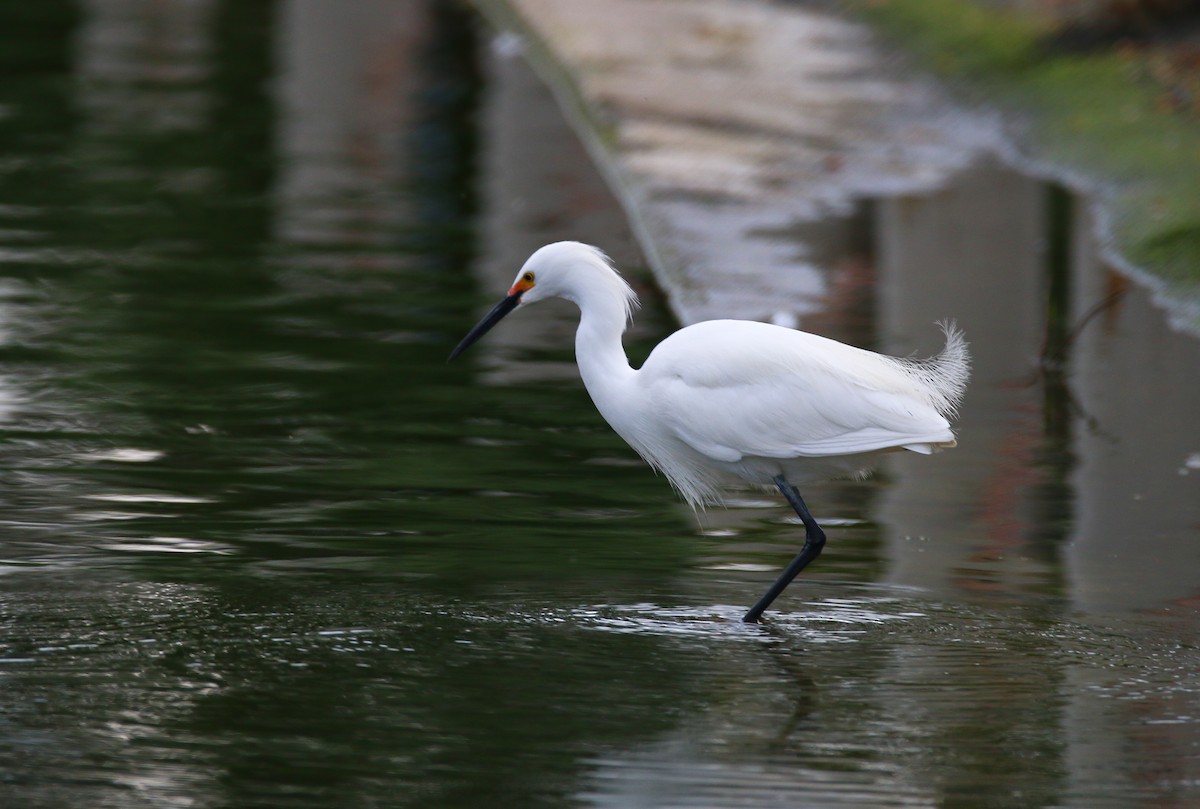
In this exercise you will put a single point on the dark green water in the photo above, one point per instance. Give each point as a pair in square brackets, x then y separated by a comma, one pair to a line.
[262, 546]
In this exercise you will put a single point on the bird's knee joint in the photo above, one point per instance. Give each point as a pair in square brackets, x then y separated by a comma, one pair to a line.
[815, 539]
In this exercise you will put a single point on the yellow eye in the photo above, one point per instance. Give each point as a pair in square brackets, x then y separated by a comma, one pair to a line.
[527, 278]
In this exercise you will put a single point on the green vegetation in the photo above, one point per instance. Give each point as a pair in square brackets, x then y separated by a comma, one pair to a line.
[956, 36]
[1113, 113]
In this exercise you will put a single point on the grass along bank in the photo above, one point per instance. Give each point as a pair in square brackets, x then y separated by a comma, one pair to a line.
[1121, 109]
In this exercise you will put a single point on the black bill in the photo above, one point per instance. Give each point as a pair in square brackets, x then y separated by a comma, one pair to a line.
[484, 326]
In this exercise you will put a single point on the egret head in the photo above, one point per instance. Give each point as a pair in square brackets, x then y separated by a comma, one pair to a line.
[570, 270]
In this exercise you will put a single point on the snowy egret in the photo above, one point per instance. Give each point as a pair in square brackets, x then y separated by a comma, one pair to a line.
[724, 402]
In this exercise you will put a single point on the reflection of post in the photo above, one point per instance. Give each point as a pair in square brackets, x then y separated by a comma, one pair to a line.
[538, 186]
[346, 85]
[966, 519]
[135, 59]
[1137, 482]
[1137, 502]
[10, 395]
[972, 252]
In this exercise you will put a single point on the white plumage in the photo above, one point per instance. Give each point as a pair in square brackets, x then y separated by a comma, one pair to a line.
[733, 401]
[730, 400]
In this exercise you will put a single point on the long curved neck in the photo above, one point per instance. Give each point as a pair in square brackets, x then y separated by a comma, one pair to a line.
[598, 350]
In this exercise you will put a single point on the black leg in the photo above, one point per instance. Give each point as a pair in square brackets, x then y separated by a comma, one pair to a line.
[814, 541]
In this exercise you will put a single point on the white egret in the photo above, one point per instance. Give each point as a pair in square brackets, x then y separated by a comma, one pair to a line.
[733, 401]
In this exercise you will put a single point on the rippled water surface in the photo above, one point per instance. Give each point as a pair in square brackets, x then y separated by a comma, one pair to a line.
[263, 546]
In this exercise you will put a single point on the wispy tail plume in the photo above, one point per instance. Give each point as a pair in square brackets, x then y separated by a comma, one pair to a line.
[945, 375]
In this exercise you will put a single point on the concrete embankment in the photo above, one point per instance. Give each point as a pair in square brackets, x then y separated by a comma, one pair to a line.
[740, 135]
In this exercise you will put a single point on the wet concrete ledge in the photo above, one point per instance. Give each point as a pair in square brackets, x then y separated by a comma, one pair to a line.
[742, 136]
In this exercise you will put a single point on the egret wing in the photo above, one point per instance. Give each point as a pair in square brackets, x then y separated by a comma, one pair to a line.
[731, 389]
